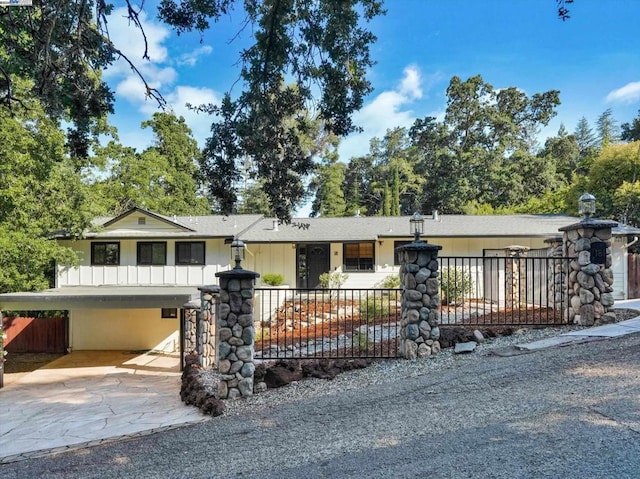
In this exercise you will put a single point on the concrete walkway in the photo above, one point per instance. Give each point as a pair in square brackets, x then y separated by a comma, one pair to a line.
[90, 397]
[591, 334]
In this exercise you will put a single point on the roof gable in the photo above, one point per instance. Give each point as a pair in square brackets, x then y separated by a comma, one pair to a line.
[139, 220]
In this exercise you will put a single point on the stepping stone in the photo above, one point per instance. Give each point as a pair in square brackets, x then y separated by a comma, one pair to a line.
[467, 347]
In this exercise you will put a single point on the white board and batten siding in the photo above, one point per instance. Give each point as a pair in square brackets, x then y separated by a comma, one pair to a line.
[217, 258]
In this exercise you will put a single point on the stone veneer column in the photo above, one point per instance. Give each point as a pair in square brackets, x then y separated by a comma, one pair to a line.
[236, 334]
[207, 346]
[515, 274]
[591, 277]
[419, 331]
[557, 274]
[190, 329]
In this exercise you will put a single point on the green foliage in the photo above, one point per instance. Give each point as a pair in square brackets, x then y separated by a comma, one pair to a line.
[334, 279]
[455, 284]
[390, 282]
[327, 184]
[631, 131]
[374, 307]
[273, 279]
[163, 178]
[26, 262]
[262, 334]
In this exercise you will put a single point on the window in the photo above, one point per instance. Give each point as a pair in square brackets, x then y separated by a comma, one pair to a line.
[397, 244]
[169, 313]
[358, 256]
[105, 254]
[190, 252]
[142, 220]
[152, 253]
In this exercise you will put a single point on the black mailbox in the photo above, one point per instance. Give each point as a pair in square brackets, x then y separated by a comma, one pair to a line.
[599, 252]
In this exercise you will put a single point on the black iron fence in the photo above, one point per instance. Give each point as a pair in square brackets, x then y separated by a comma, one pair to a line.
[505, 291]
[347, 323]
[327, 323]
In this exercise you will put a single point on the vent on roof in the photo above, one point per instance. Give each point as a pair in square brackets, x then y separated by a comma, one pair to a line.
[275, 225]
[142, 220]
[434, 215]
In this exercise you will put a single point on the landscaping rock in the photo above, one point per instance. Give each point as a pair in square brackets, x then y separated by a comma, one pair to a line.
[467, 347]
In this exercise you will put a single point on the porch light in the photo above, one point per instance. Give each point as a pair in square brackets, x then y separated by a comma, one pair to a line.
[416, 223]
[587, 205]
[237, 249]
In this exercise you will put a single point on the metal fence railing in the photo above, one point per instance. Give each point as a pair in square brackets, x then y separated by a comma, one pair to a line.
[327, 323]
[509, 291]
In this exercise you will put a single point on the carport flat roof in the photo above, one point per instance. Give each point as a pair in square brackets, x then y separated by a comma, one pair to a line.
[100, 297]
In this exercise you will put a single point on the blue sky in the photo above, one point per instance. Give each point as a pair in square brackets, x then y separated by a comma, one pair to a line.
[593, 59]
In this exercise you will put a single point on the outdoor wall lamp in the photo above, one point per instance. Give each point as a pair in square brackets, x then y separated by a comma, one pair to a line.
[237, 249]
[587, 205]
[416, 224]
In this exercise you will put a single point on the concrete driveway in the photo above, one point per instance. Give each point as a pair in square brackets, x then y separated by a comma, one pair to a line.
[91, 397]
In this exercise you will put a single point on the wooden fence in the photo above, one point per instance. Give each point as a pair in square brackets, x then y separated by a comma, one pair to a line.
[35, 335]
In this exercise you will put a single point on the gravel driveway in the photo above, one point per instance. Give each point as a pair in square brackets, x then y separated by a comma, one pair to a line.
[563, 412]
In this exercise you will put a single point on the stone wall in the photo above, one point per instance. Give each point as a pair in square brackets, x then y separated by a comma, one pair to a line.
[236, 333]
[207, 344]
[515, 274]
[419, 329]
[591, 277]
[191, 312]
[557, 274]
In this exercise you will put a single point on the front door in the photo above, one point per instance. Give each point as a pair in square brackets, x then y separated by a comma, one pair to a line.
[312, 261]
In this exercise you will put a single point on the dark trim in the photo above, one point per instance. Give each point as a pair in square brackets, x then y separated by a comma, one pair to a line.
[360, 258]
[191, 263]
[141, 243]
[96, 243]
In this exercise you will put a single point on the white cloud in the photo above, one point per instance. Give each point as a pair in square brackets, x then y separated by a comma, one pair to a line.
[190, 59]
[630, 93]
[387, 110]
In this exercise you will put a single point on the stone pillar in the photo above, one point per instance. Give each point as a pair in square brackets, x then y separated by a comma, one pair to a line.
[236, 334]
[190, 329]
[557, 274]
[591, 277]
[419, 331]
[515, 274]
[207, 325]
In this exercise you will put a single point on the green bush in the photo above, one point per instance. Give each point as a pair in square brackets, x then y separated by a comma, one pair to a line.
[332, 280]
[390, 282]
[273, 279]
[374, 307]
[455, 284]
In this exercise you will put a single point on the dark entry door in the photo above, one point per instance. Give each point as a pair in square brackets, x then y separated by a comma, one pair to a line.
[312, 261]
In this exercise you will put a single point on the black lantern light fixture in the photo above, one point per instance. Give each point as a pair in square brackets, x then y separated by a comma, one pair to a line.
[416, 223]
[587, 205]
[237, 249]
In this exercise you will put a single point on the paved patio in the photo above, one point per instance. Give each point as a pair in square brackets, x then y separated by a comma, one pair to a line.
[89, 397]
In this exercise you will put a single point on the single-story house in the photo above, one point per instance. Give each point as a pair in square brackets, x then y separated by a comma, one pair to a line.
[138, 269]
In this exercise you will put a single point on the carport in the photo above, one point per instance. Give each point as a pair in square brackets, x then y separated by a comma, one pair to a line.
[115, 318]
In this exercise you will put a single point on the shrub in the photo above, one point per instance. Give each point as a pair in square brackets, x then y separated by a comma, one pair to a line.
[273, 279]
[332, 280]
[390, 282]
[455, 284]
[374, 307]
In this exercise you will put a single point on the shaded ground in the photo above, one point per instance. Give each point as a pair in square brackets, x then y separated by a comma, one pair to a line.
[19, 364]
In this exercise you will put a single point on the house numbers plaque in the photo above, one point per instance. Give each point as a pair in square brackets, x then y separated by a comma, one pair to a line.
[599, 252]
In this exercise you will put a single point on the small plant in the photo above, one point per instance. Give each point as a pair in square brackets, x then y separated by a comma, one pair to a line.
[273, 279]
[374, 307]
[390, 282]
[332, 280]
[455, 284]
[361, 341]
[262, 334]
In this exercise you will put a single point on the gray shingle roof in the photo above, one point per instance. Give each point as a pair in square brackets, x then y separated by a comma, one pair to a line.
[257, 229]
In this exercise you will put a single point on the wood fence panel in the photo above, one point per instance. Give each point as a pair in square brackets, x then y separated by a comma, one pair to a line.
[35, 335]
[633, 263]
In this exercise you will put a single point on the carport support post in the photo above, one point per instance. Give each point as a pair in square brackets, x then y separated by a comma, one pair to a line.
[206, 325]
[590, 277]
[419, 330]
[236, 334]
